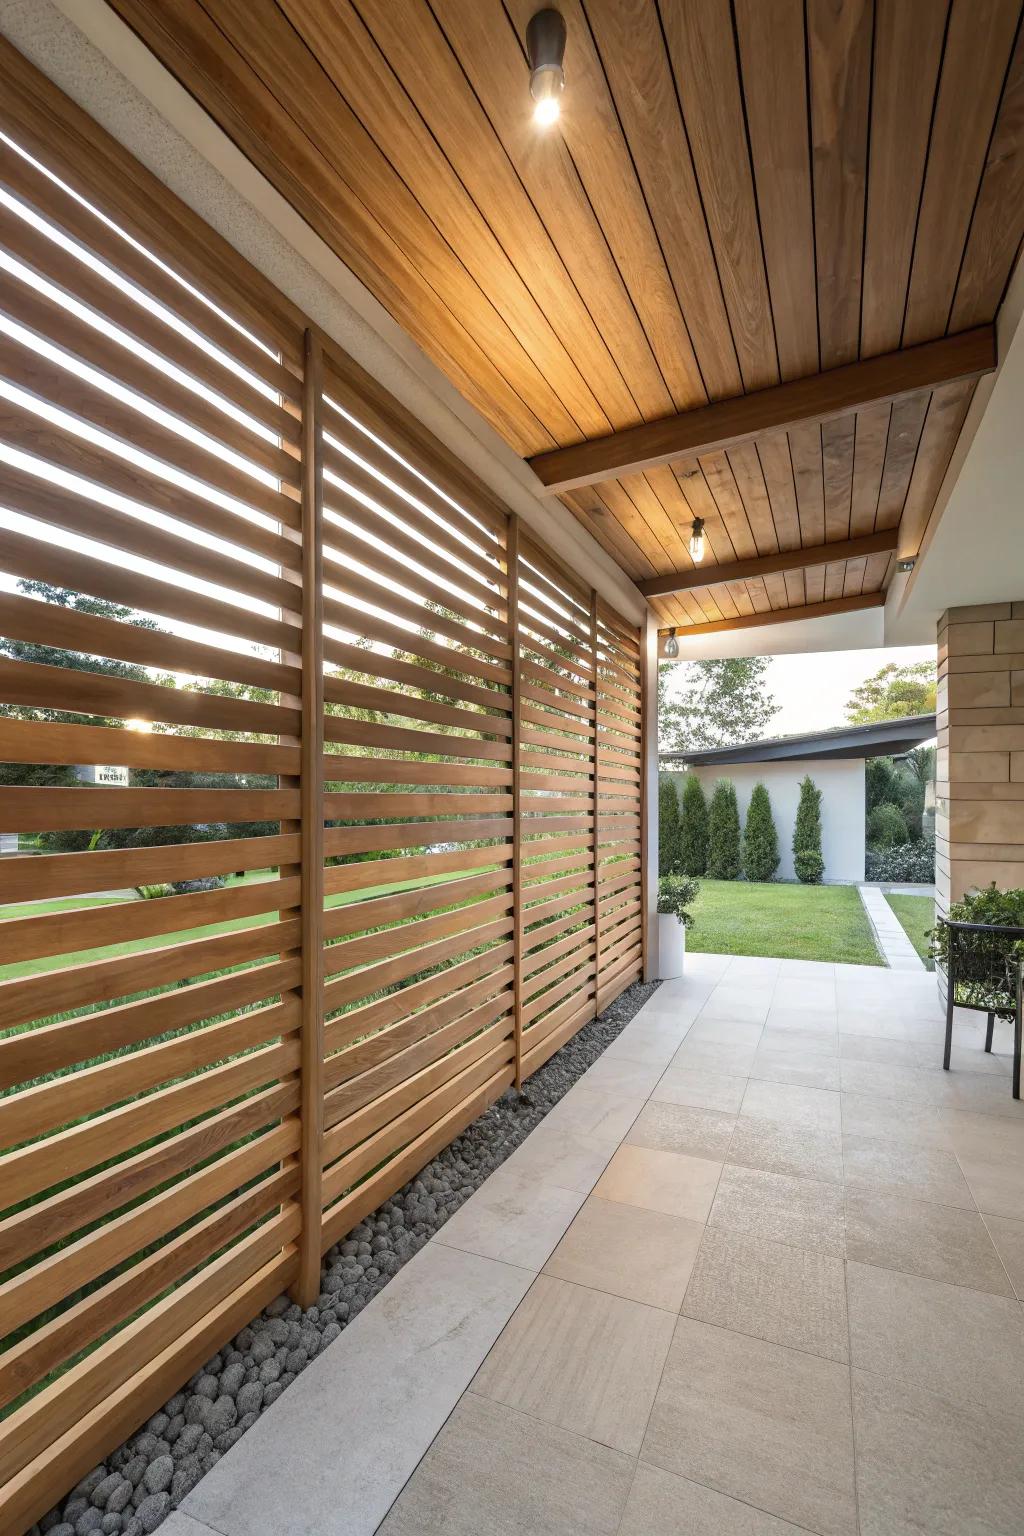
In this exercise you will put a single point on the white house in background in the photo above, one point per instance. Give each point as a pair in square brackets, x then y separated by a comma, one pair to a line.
[835, 761]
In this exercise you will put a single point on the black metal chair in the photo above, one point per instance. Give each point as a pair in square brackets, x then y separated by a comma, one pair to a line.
[983, 975]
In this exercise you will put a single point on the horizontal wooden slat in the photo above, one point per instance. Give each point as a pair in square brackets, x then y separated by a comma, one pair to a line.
[36, 810]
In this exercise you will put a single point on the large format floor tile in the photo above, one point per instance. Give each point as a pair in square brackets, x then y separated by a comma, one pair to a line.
[661, 1504]
[671, 1182]
[930, 1467]
[764, 1424]
[491, 1469]
[643, 1255]
[564, 1158]
[701, 1088]
[773, 1066]
[792, 1149]
[929, 1173]
[586, 1361]
[937, 1242]
[806, 1213]
[920, 1125]
[785, 1295]
[812, 1109]
[1008, 1237]
[601, 1114]
[681, 1128]
[513, 1216]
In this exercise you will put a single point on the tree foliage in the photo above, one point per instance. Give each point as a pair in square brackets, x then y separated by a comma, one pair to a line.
[694, 830]
[669, 845]
[760, 839]
[705, 704]
[807, 859]
[893, 693]
[724, 833]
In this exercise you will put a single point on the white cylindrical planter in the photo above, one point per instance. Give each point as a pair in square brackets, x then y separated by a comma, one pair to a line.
[671, 946]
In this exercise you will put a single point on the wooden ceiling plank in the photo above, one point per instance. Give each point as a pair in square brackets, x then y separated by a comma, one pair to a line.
[853, 578]
[835, 576]
[622, 506]
[777, 468]
[839, 51]
[196, 53]
[994, 240]
[592, 133]
[671, 494]
[978, 49]
[632, 51]
[420, 56]
[837, 445]
[718, 477]
[876, 572]
[905, 428]
[702, 49]
[946, 413]
[760, 602]
[772, 57]
[792, 615]
[347, 52]
[610, 533]
[490, 53]
[727, 423]
[809, 479]
[746, 468]
[664, 527]
[702, 504]
[909, 35]
[871, 544]
[740, 596]
[871, 436]
[814, 584]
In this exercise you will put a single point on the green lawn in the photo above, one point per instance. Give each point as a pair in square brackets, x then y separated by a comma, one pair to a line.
[788, 922]
[916, 915]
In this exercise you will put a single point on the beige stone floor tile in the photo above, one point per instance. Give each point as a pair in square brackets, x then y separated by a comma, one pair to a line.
[628, 1251]
[496, 1471]
[672, 1182]
[725, 1032]
[1008, 1237]
[622, 1076]
[701, 1088]
[705, 1055]
[794, 1149]
[563, 1158]
[784, 1295]
[741, 1002]
[513, 1217]
[901, 1053]
[982, 1093]
[812, 1109]
[681, 1128]
[649, 1043]
[929, 1467]
[771, 1066]
[596, 1113]
[917, 1124]
[965, 1345]
[928, 1173]
[661, 1504]
[996, 1181]
[806, 1213]
[904, 1085]
[804, 1021]
[937, 1242]
[803, 994]
[764, 1424]
[581, 1359]
[802, 1044]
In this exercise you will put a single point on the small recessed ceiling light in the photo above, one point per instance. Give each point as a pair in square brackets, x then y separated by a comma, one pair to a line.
[697, 540]
[672, 646]
[545, 47]
[907, 565]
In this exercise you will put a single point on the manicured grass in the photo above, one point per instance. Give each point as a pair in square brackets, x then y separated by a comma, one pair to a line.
[916, 915]
[788, 922]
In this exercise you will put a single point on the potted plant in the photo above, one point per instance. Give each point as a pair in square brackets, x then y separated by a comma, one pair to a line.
[676, 893]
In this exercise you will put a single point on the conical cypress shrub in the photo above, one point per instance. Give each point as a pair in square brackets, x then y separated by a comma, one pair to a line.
[694, 827]
[669, 831]
[760, 840]
[724, 833]
[807, 859]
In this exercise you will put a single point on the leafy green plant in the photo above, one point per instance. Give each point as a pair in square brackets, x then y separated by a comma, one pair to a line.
[724, 833]
[760, 839]
[151, 892]
[694, 831]
[887, 827]
[984, 967]
[675, 895]
[669, 830]
[807, 859]
[911, 862]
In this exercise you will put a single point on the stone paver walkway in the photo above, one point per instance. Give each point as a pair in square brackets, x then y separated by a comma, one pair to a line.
[892, 938]
[757, 1274]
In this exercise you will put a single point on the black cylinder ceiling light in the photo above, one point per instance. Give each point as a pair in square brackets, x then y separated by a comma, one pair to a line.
[545, 47]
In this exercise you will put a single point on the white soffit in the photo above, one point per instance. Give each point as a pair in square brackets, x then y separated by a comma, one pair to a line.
[86, 50]
[861, 630]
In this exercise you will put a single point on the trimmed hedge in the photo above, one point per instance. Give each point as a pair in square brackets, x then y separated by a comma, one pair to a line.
[911, 862]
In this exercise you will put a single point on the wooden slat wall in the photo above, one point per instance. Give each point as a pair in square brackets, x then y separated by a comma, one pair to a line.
[421, 734]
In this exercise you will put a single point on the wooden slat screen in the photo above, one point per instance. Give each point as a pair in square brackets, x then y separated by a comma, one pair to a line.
[389, 745]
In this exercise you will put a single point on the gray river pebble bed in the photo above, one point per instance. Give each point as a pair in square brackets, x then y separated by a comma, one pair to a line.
[140, 1483]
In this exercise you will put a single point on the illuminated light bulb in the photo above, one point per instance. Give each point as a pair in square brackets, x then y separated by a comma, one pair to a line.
[545, 47]
[672, 646]
[697, 540]
[139, 725]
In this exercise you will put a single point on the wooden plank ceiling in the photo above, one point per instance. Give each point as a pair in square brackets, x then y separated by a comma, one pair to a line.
[737, 195]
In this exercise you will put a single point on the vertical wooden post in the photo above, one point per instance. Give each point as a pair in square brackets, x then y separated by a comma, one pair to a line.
[595, 684]
[512, 571]
[307, 1286]
[648, 793]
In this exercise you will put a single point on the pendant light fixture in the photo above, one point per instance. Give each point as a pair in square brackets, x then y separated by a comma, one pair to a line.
[697, 540]
[672, 646]
[545, 47]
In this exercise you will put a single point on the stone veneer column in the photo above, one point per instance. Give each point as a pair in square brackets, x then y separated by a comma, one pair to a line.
[979, 795]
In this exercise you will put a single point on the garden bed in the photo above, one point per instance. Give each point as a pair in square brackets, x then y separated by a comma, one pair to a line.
[139, 1484]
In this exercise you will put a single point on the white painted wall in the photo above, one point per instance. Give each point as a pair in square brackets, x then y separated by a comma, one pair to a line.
[842, 807]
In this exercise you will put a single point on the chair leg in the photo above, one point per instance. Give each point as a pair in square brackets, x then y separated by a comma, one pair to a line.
[988, 1032]
[1017, 1031]
[949, 1023]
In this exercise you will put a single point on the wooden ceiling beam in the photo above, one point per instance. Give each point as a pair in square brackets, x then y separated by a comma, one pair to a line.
[701, 576]
[778, 616]
[726, 423]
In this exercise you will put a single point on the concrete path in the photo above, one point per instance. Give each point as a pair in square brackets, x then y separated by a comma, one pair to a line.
[897, 949]
[754, 1273]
